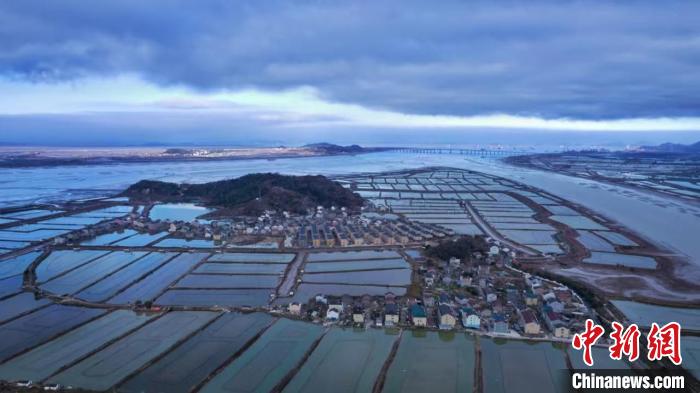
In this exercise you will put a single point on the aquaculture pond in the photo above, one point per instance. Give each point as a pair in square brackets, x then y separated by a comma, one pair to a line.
[252, 257]
[188, 365]
[616, 238]
[177, 212]
[511, 366]
[606, 258]
[11, 285]
[8, 245]
[228, 281]
[43, 361]
[645, 314]
[16, 265]
[19, 304]
[547, 248]
[156, 282]
[577, 222]
[306, 291]
[32, 329]
[241, 268]
[265, 363]
[109, 238]
[110, 285]
[186, 243]
[59, 262]
[114, 363]
[83, 276]
[38, 235]
[395, 277]
[594, 242]
[690, 350]
[139, 240]
[215, 297]
[336, 256]
[432, 362]
[317, 267]
[601, 360]
[29, 214]
[529, 237]
[360, 354]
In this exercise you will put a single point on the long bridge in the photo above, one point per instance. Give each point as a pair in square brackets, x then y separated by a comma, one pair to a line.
[464, 152]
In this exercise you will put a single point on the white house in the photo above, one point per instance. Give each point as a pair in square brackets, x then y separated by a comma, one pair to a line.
[333, 314]
[470, 319]
[294, 308]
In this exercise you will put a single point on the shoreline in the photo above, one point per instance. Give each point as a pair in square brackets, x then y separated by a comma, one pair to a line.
[50, 162]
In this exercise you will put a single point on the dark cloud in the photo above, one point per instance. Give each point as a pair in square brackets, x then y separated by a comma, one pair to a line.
[579, 59]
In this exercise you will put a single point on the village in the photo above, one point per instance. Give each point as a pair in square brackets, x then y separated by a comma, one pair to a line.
[332, 227]
[482, 294]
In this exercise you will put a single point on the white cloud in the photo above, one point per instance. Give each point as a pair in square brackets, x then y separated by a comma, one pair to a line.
[301, 107]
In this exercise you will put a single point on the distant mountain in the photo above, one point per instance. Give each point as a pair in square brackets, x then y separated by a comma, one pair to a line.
[672, 148]
[330, 148]
[252, 194]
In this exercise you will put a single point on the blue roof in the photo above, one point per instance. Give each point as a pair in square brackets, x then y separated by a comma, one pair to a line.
[417, 311]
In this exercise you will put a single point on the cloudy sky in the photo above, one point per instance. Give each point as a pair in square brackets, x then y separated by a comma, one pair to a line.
[237, 71]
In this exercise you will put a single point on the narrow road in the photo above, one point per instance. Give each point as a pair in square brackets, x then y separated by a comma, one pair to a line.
[291, 277]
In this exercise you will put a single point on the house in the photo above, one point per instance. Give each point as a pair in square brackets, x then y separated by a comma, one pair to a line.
[484, 270]
[555, 323]
[391, 314]
[335, 303]
[562, 332]
[333, 314]
[556, 306]
[469, 319]
[294, 308]
[529, 322]
[465, 280]
[377, 319]
[455, 262]
[563, 295]
[447, 317]
[418, 316]
[500, 325]
[491, 297]
[531, 299]
[321, 299]
[549, 297]
[429, 279]
[462, 300]
[358, 314]
[444, 298]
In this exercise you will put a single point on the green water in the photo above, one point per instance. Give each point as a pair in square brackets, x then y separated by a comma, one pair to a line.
[360, 354]
[432, 362]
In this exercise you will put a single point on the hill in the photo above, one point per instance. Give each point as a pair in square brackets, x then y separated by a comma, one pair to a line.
[329, 148]
[672, 148]
[252, 194]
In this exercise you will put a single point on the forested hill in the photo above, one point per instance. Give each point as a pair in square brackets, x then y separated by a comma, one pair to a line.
[251, 194]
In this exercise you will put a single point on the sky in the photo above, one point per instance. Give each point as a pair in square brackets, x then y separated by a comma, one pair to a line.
[260, 72]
